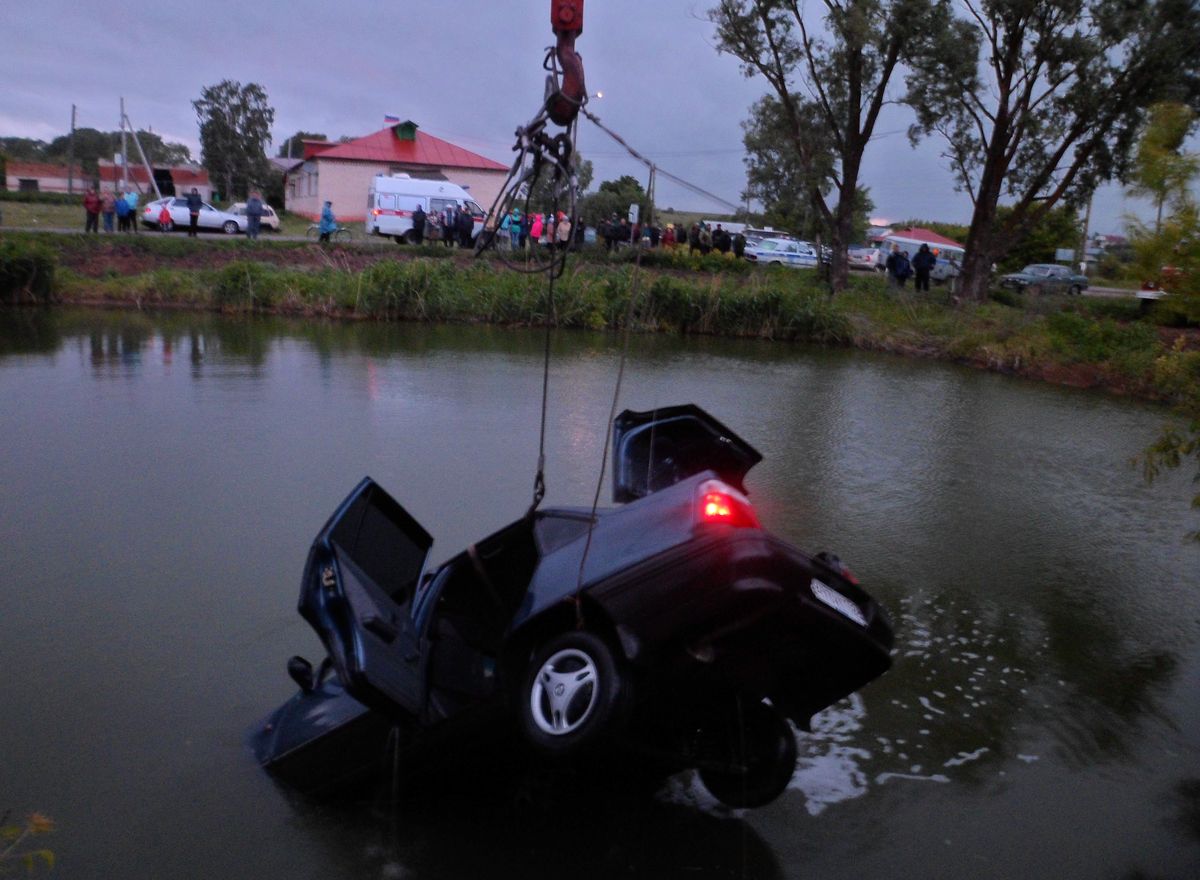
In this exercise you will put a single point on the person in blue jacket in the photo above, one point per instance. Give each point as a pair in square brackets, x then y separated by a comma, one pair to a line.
[328, 222]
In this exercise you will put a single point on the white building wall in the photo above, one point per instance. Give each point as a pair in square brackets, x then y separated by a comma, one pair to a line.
[346, 185]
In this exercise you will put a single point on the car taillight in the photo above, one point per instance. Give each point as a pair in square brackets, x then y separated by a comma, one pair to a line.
[376, 212]
[717, 502]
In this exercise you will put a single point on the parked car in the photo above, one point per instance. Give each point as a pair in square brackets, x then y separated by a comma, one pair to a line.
[783, 252]
[945, 270]
[210, 218]
[270, 220]
[866, 257]
[673, 627]
[1045, 278]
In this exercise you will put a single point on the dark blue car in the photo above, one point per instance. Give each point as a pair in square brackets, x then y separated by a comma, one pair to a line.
[672, 625]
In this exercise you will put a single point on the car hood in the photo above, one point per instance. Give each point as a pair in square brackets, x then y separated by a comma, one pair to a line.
[658, 448]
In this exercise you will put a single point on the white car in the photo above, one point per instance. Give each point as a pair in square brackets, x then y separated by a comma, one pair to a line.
[865, 257]
[211, 219]
[270, 220]
[783, 252]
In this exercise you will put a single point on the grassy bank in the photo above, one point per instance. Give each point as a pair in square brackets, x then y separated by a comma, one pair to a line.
[1079, 341]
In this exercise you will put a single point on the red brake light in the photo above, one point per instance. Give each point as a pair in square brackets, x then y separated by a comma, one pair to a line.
[719, 503]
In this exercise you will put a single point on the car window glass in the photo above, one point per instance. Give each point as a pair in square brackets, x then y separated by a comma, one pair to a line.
[436, 206]
[180, 203]
[387, 202]
[474, 208]
[556, 531]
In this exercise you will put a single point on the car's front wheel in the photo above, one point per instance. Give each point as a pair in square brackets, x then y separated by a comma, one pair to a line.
[756, 756]
[573, 694]
[1076, 290]
[230, 227]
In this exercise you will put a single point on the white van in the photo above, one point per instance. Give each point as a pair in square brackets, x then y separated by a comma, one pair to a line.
[392, 199]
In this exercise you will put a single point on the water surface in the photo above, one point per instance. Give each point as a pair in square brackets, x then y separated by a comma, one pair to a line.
[161, 478]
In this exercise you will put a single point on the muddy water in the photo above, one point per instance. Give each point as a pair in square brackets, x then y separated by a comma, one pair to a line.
[161, 478]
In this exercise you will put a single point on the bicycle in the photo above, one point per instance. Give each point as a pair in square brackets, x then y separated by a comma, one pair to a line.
[342, 233]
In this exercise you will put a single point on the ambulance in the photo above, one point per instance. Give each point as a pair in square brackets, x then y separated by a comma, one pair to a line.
[392, 199]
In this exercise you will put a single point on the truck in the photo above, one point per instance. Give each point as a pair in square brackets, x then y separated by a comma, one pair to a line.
[392, 199]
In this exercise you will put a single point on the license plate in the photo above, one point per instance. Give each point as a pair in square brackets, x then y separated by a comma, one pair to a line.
[838, 602]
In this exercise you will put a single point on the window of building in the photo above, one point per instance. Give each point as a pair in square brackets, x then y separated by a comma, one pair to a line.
[27, 184]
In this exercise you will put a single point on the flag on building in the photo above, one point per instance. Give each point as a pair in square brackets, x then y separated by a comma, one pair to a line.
[391, 120]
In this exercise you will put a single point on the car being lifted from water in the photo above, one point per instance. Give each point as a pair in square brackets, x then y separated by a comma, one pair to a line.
[673, 624]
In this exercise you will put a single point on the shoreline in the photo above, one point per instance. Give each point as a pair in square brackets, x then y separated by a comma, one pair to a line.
[1088, 343]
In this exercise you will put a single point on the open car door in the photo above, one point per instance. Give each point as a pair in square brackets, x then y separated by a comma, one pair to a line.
[358, 588]
[656, 449]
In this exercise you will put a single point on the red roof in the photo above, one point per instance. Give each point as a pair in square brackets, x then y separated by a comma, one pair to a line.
[424, 149]
[920, 233]
[112, 173]
[18, 168]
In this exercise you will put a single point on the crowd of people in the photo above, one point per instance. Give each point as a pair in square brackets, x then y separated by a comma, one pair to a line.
[616, 232]
[110, 205]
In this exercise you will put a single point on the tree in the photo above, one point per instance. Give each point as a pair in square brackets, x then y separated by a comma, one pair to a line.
[23, 149]
[614, 197]
[775, 174]
[1161, 170]
[846, 72]
[541, 199]
[1038, 241]
[235, 126]
[1052, 105]
[294, 145]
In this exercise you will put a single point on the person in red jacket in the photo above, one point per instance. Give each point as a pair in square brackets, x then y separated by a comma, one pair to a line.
[91, 207]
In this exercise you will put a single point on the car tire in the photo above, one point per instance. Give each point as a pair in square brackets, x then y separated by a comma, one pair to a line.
[230, 227]
[409, 237]
[757, 757]
[1033, 289]
[1075, 290]
[573, 694]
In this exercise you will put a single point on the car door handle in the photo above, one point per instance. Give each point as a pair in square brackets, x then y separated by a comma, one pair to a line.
[382, 628]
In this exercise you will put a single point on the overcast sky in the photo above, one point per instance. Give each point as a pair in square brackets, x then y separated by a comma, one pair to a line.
[468, 71]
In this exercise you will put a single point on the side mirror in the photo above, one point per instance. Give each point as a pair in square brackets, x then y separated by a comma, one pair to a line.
[301, 672]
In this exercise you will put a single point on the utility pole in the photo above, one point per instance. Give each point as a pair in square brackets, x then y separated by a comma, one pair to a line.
[1087, 221]
[124, 155]
[71, 155]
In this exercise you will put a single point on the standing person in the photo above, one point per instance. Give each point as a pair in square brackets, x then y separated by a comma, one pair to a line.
[693, 238]
[892, 264]
[562, 231]
[668, 236]
[328, 222]
[612, 230]
[131, 202]
[122, 207]
[535, 229]
[739, 245]
[514, 227]
[254, 212]
[655, 235]
[706, 241]
[193, 206]
[450, 225]
[418, 225]
[107, 203]
[91, 210]
[466, 228]
[923, 264]
[164, 217]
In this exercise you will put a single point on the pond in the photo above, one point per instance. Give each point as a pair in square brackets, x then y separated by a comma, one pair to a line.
[163, 475]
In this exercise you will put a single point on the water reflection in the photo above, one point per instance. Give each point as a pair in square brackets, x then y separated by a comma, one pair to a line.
[522, 823]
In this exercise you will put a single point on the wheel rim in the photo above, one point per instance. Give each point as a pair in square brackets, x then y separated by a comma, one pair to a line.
[231, 228]
[564, 693]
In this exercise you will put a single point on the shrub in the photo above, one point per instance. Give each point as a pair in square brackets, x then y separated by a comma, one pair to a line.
[26, 272]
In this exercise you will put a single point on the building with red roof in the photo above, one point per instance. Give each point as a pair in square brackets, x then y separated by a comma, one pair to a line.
[342, 173]
[51, 177]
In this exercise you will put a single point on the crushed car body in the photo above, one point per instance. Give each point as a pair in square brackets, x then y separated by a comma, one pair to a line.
[671, 625]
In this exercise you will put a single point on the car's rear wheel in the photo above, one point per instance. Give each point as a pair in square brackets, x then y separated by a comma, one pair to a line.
[1076, 290]
[756, 756]
[573, 694]
[1034, 289]
[230, 227]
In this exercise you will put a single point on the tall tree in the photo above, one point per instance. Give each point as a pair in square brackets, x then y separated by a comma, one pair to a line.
[542, 196]
[614, 197]
[838, 80]
[1162, 171]
[235, 127]
[1051, 105]
[777, 176]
